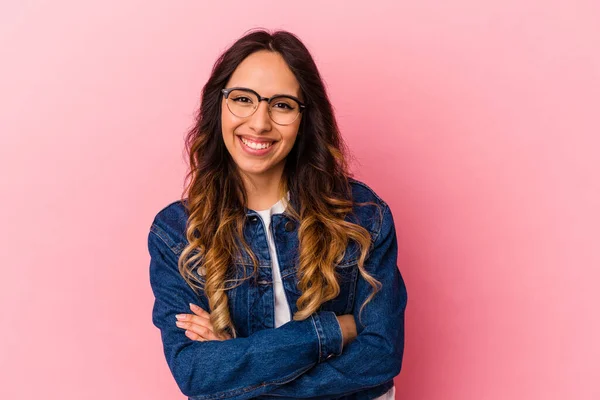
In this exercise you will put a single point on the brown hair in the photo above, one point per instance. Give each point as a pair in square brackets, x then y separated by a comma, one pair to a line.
[315, 173]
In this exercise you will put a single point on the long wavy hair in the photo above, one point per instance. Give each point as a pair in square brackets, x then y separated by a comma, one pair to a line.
[315, 173]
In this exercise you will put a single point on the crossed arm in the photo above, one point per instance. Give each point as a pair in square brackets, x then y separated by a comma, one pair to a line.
[294, 360]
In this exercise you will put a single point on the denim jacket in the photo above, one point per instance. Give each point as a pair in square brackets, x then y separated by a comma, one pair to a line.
[300, 359]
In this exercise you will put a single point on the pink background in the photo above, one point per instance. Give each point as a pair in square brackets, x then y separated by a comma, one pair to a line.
[478, 122]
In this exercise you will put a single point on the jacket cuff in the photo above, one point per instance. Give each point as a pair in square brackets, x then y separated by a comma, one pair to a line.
[329, 333]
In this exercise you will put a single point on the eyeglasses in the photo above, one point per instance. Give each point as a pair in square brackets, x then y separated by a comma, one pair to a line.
[243, 102]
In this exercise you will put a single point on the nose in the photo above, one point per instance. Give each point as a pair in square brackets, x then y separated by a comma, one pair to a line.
[260, 121]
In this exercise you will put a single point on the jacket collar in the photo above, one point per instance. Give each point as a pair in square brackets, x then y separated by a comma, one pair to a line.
[294, 201]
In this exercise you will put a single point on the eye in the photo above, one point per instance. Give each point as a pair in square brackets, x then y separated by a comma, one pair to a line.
[242, 99]
[283, 105]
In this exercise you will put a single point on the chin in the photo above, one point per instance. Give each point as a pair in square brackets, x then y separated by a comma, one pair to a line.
[254, 171]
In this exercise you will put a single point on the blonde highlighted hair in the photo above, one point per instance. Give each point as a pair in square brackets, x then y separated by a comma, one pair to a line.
[315, 173]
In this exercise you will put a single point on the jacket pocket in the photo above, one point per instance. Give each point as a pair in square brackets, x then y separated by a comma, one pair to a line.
[346, 273]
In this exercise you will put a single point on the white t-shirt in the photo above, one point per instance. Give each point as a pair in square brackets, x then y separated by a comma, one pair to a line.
[282, 309]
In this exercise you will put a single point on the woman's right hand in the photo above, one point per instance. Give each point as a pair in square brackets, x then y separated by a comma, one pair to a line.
[348, 325]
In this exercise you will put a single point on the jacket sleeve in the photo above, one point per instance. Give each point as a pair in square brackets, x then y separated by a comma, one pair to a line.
[239, 368]
[375, 355]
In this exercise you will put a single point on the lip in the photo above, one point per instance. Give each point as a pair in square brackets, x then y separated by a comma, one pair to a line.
[255, 152]
[258, 140]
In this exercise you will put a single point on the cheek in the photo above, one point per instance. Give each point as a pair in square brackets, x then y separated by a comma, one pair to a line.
[292, 135]
[227, 122]
[290, 140]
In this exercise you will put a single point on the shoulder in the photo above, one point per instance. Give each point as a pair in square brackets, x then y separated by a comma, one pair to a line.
[371, 216]
[362, 192]
[169, 225]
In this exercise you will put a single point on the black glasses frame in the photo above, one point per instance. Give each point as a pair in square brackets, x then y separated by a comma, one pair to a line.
[267, 99]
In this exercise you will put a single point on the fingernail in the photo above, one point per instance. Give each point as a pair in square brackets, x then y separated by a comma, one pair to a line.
[180, 316]
[193, 306]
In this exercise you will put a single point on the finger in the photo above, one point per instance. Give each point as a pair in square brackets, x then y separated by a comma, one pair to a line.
[204, 330]
[187, 321]
[197, 319]
[194, 336]
[202, 319]
[201, 331]
[198, 325]
[199, 311]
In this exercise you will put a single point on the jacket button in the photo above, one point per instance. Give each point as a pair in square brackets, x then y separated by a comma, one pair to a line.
[289, 226]
[253, 219]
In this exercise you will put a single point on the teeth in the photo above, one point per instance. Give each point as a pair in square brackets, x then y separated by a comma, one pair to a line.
[256, 146]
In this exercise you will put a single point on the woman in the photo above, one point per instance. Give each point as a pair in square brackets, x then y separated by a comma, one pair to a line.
[276, 276]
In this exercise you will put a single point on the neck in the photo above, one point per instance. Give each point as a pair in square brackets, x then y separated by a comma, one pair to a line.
[263, 190]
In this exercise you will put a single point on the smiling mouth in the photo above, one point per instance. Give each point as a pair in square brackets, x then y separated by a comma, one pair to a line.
[256, 145]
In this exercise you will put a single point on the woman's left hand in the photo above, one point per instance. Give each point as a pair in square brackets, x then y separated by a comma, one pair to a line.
[198, 326]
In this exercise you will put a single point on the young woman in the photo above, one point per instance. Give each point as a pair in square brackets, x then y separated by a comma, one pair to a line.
[276, 276]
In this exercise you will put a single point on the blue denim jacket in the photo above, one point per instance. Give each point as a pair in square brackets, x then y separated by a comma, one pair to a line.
[300, 359]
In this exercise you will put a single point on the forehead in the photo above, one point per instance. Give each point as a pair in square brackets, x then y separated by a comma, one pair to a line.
[267, 73]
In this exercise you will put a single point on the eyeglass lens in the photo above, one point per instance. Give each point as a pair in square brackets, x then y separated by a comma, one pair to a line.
[243, 104]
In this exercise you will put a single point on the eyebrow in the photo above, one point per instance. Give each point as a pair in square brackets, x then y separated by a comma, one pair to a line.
[276, 94]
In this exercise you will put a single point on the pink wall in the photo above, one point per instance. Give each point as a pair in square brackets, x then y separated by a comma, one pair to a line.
[477, 121]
